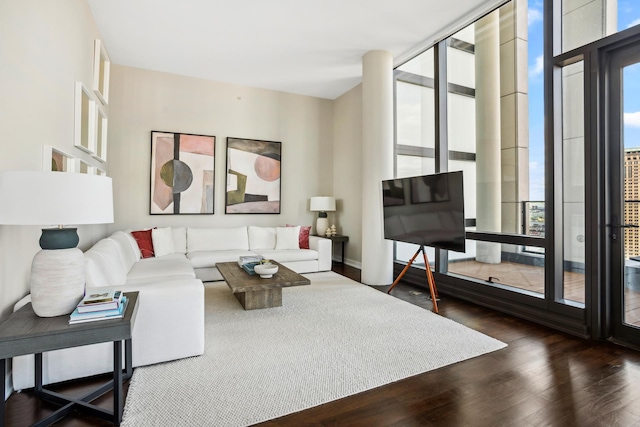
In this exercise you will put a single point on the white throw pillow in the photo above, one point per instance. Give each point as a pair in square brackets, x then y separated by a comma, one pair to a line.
[179, 239]
[262, 238]
[217, 239]
[288, 237]
[162, 241]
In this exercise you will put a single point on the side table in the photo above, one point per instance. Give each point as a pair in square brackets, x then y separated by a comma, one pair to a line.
[339, 238]
[23, 332]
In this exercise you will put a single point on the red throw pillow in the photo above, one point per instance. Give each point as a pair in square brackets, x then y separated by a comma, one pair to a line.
[145, 242]
[303, 239]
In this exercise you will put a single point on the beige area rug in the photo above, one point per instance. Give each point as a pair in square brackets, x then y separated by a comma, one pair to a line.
[331, 339]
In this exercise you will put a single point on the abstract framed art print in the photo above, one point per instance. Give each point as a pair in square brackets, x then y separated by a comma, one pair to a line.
[182, 173]
[253, 176]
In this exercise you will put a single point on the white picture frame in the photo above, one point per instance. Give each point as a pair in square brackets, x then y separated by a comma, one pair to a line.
[83, 167]
[101, 134]
[55, 160]
[101, 71]
[85, 119]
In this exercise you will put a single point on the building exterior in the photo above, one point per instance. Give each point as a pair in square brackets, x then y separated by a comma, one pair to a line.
[631, 201]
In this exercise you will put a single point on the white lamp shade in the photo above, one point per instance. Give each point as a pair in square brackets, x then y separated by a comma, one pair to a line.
[55, 198]
[323, 204]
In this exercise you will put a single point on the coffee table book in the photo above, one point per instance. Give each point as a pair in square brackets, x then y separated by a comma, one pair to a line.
[103, 300]
[93, 316]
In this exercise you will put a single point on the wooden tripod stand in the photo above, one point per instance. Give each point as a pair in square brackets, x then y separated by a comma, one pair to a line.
[430, 279]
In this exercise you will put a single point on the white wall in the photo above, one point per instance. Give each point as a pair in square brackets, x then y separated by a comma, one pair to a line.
[145, 100]
[347, 167]
[45, 46]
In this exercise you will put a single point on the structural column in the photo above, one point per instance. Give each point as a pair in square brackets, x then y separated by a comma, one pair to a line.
[377, 164]
[488, 155]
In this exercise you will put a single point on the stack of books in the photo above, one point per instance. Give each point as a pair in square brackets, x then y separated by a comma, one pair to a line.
[248, 262]
[249, 259]
[103, 305]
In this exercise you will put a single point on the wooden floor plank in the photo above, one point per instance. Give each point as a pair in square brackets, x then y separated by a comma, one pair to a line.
[544, 377]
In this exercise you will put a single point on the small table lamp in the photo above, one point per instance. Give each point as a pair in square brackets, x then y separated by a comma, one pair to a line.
[47, 198]
[322, 204]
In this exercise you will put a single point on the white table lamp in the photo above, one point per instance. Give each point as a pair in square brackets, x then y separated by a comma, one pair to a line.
[322, 205]
[55, 198]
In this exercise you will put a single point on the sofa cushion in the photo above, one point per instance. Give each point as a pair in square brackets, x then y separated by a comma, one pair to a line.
[288, 237]
[217, 239]
[179, 239]
[103, 265]
[290, 255]
[262, 238]
[202, 259]
[145, 242]
[127, 247]
[162, 268]
[162, 241]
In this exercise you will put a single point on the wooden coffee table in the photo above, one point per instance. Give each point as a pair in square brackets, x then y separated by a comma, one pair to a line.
[255, 292]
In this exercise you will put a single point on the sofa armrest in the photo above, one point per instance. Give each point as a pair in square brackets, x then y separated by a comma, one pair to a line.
[170, 320]
[324, 247]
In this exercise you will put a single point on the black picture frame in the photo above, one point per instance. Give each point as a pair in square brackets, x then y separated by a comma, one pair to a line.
[253, 176]
[182, 174]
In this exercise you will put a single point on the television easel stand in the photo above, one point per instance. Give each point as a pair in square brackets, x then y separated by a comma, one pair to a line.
[430, 279]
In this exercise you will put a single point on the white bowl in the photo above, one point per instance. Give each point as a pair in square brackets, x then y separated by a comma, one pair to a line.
[266, 270]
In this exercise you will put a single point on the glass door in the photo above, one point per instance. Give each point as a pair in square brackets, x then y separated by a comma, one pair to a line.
[623, 228]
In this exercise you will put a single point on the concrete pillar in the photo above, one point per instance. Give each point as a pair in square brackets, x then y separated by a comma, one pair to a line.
[377, 164]
[514, 130]
[488, 155]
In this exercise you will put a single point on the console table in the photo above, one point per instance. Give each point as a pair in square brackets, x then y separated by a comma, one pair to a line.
[23, 332]
[339, 238]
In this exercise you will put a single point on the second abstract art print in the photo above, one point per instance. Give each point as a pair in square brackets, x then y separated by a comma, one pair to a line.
[253, 176]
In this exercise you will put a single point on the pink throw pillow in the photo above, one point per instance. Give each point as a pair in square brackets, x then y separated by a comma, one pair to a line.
[303, 238]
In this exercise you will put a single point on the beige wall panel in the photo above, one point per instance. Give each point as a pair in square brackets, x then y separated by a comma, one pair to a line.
[46, 47]
[347, 169]
[144, 100]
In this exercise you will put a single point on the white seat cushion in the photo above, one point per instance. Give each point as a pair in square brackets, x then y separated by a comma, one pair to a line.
[103, 265]
[204, 259]
[129, 252]
[287, 255]
[161, 268]
[217, 239]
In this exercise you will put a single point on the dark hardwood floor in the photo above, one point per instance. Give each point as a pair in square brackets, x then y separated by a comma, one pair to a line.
[543, 378]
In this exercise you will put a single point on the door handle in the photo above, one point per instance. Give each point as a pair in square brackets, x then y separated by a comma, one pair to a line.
[614, 236]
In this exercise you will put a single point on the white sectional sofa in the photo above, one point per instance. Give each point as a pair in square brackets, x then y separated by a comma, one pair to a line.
[170, 321]
[208, 246]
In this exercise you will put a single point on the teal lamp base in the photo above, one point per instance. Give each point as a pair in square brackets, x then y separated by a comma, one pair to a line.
[59, 238]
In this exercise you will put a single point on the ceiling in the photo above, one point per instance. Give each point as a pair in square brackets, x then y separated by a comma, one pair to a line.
[300, 46]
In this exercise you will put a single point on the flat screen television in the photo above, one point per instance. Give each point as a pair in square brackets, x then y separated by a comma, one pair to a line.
[425, 210]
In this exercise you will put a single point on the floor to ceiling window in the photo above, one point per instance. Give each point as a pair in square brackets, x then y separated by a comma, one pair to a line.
[487, 138]
[516, 126]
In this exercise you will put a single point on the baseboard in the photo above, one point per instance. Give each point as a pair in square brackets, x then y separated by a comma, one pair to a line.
[352, 263]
